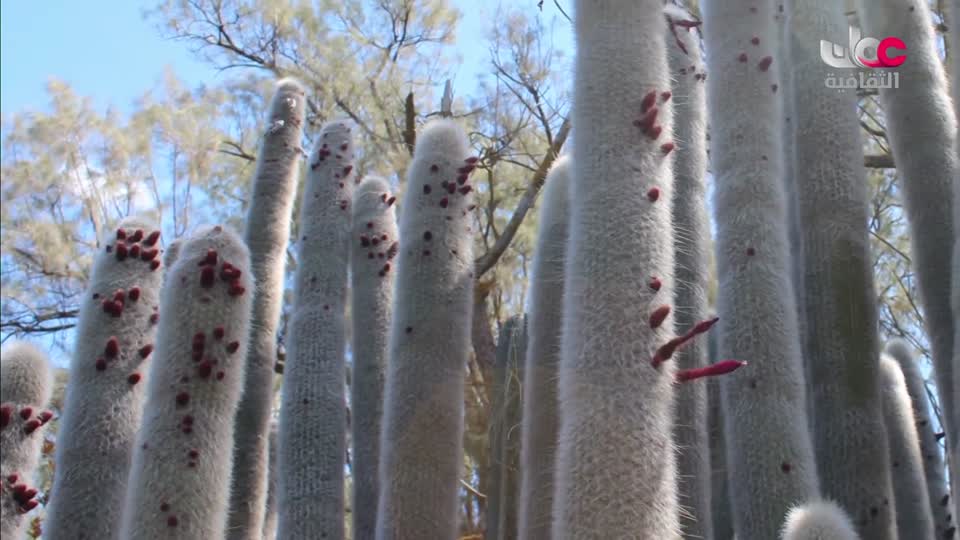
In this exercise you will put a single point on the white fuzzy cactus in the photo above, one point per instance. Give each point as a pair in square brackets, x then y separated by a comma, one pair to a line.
[758, 316]
[820, 520]
[312, 433]
[616, 466]
[105, 391]
[421, 446]
[373, 245]
[180, 476]
[922, 130]
[691, 227]
[914, 519]
[933, 464]
[541, 421]
[266, 234]
[25, 387]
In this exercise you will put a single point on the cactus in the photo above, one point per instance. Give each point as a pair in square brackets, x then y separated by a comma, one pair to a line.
[758, 321]
[105, 392]
[914, 519]
[502, 498]
[421, 444]
[692, 238]
[820, 520]
[270, 517]
[953, 444]
[25, 387]
[313, 409]
[267, 232]
[922, 130]
[372, 297]
[180, 477]
[540, 421]
[841, 333]
[933, 465]
[615, 471]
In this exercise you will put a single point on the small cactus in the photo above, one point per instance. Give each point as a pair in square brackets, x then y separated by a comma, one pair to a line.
[270, 518]
[180, 477]
[504, 434]
[914, 519]
[541, 421]
[821, 520]
[105, 391]
[421, 446]
[933, 464]
[372, 297]
[266, 234]
[25, 386]
[312, 428]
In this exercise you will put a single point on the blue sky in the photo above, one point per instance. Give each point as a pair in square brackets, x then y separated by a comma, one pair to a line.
[106, 50]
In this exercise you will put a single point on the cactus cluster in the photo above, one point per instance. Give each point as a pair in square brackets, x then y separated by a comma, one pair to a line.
[167, 430]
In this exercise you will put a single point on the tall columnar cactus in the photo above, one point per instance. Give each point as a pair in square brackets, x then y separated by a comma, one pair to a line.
[616, 465]
[25, 386]
[691, 269]
[180, 477]
[267, 232]
[372, 298]
[421, 445]
[105, 391]
[922, 130]
[758, 321]
[541, 422]
[954, 440]
[841, 331]
[914, 519]
[503, 494]
[313, 407]
[933, 464]
[821, 520]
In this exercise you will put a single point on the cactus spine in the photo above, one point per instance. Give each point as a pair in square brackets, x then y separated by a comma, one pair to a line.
[820, 520]
[372, 297]
[267, 232]
[914, 519]
[922, 130]
[421, 445]
[180, 477]
[313, 406]
[541, 422]
[502, 504]
[615, 397]
[25, 386]
[933, 464]
[758, 321]
[105, 392]
[692, 240]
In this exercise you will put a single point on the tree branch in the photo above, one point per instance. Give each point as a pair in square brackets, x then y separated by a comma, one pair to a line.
[490, 258]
